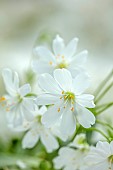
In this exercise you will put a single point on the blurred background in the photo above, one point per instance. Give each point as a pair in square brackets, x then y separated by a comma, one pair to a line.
[23, 22]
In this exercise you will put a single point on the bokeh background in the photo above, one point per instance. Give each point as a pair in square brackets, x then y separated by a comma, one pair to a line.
[23, 22]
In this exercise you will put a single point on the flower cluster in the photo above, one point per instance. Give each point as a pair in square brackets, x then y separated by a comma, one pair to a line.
[63, 111]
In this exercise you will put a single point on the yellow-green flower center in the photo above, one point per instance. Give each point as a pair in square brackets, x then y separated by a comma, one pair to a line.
[39, 118]
[20, 99]
[62, 65]
[110, 159]
[70, 97]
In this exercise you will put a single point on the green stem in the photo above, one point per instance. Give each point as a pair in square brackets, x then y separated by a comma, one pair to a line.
[103, 93]
[102, 106]
[105, 108]
[99, 89]
[105, 124]
[99, 131]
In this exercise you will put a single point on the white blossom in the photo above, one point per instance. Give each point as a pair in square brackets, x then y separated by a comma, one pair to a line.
[19, 106]
[70, 159]
[61, 57]
[100, 157]
[80, 141]
[65, 94]
[36, 131]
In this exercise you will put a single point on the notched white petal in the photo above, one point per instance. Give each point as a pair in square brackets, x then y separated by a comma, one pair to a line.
[58, 45]
[24, 90]
[84, 116]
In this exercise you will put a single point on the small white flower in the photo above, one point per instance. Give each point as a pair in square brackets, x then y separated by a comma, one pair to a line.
[70, 159]
[80, 142]
[101, 156]
[19, 106]
[36, 131]
[62, 57]
[68, 102]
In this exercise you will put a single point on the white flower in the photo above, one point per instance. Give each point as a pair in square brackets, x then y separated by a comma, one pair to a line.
[70, 159]
[36, 131]
[19, 106]
[62, 57]
[101, 156]
[68, 102]
[80, 141]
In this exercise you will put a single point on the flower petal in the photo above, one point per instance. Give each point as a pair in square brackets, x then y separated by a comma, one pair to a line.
[30, 139]
[103, 149]
[41, 67]
[42, 110]
[85, 100]
[80, 83]
[68, 123]
[63, 160]
[14, 116]
[79, 59]
[58, 45]
[84, 116]
[44, 53]
[11, 81]
[100, 166]
[70, 49]
[64, 79]
[111, 147]
[52, 115]
[24, 90]
[49, 141]
[47, 99]
[48, 84]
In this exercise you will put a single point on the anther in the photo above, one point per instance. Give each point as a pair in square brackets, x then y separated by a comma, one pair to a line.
[58, 109]
[2, 98]
[62, 92]
[50, 62]
[72, 109]
[7, 109]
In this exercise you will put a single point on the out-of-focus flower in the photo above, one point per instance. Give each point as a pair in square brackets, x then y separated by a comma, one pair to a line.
[62, 57]
[70, 159]
[36, 131]
[19, 106]
[68, 102]
[101, 156]
[80, 142]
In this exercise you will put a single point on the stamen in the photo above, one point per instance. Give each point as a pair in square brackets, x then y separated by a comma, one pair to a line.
[58, 110]
[72, 109]
[7, 109]
[62, 92]
[2, 99]
[50, 62]
[63, 57]
[65, 97]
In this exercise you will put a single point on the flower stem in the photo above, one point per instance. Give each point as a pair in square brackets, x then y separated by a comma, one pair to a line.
[105, 124]
[99, 131]
[103, 93]
[99, 89]
[105, 108]
[102, 106]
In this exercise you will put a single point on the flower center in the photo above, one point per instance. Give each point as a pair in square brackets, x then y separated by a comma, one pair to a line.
[110, 159]
[38, 118]
[20, 99]
[69, 96]
[62, 65]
